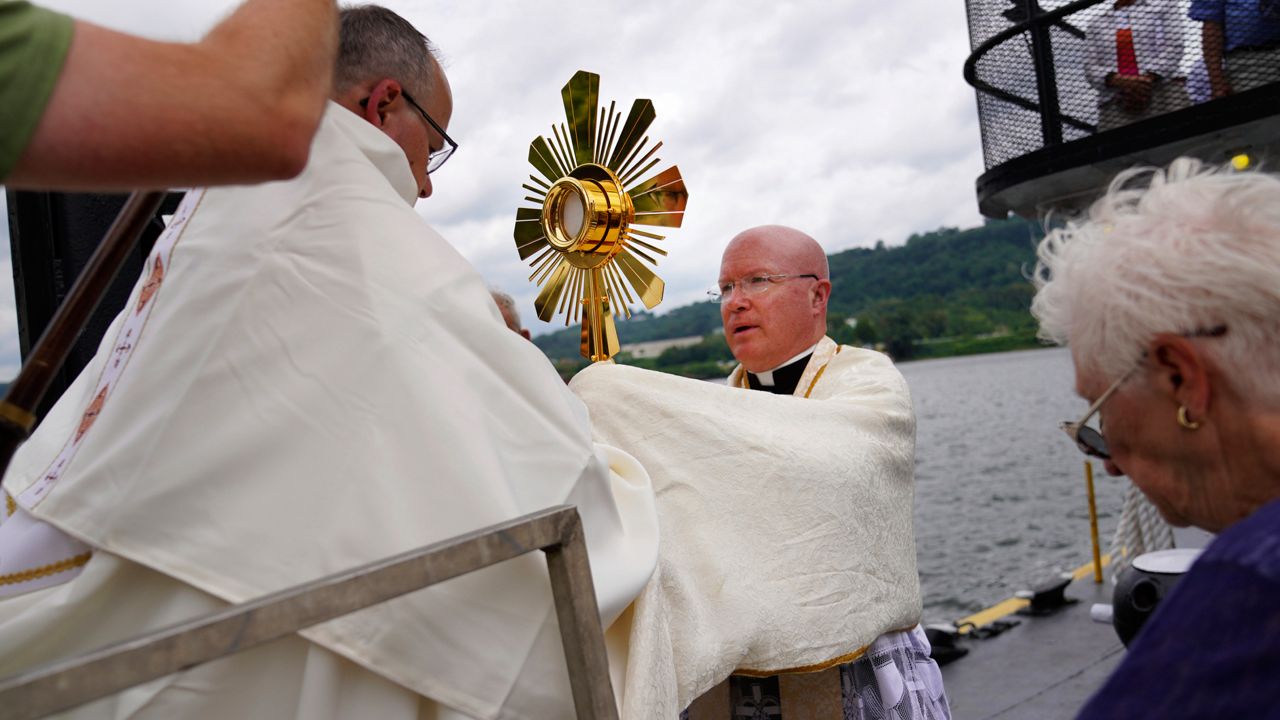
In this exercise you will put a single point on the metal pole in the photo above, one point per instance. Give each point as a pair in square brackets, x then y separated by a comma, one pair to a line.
[580, 630]
[1046, 78]
[66, 684]
[1093, 523]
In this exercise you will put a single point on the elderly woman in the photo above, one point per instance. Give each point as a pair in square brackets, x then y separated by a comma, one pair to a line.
[1169, 296]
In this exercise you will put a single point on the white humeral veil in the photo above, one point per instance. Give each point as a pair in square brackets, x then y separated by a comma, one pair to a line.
[322, 381]
[786, 523]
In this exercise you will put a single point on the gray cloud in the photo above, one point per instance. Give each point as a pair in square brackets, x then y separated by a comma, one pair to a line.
[848, 120]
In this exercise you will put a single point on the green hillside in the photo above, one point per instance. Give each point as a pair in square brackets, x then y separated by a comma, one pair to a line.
[945, 292]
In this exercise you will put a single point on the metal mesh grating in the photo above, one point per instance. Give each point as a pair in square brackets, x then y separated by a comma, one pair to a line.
[1089, 66]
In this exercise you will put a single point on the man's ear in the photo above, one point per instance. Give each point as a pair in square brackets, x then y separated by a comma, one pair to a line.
[381, 97]
[821, 293]
[1180, 371]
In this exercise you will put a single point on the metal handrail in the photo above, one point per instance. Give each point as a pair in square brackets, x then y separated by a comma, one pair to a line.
[557, 531]
[1034, 21]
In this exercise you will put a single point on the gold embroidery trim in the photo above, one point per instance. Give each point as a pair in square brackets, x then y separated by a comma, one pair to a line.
[10, 505]
[821, 370]
[17, 415]
[816, 667]
[46, 570]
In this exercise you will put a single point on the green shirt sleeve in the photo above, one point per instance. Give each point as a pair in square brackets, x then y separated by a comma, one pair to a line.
[33, 48]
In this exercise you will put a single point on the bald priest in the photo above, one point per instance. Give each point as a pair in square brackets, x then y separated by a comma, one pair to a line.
[786, 584]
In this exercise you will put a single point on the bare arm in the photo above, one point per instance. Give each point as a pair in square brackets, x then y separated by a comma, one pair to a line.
[1170, 29]
[1213, 40]
[1099, 56]
[239, 106]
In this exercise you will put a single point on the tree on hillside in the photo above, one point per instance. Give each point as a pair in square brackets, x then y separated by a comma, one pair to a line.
[898, 331]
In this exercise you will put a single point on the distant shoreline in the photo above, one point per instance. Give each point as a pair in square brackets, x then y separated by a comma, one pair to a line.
[915, 360]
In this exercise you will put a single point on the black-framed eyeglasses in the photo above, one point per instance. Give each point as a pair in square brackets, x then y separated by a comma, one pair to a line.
[437, 158]
[750, 286]
[1090, 441]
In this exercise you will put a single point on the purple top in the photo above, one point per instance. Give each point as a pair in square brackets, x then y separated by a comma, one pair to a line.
[1212, 648]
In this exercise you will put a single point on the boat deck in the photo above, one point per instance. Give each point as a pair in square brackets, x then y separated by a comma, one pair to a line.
[1046, 667]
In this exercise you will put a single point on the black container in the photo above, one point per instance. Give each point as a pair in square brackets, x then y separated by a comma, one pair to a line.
[1143, 585]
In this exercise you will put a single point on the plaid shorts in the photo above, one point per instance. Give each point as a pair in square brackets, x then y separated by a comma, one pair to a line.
[895, 680]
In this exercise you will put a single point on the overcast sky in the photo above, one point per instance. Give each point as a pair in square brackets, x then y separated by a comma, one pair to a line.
[848, 120]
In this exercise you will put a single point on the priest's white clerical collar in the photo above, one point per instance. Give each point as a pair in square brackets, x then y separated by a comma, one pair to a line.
[766, 378]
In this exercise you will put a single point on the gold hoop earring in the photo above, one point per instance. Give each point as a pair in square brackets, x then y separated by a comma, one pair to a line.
[1184, 421]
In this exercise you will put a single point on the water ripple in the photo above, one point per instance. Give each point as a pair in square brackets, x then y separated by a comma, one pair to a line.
[1000, 498]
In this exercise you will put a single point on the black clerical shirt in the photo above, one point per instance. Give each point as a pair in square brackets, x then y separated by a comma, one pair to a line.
[785, 378]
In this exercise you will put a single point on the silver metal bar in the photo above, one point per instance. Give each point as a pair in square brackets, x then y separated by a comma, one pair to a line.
[65, 684]
[580, 630]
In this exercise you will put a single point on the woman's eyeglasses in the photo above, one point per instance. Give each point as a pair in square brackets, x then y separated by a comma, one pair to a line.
[1090, 441]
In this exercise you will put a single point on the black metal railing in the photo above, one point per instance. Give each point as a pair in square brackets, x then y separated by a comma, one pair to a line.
[1050, 75]
[1037, 22]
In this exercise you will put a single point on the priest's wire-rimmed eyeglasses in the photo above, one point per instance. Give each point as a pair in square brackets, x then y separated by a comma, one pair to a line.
[750, 286]
[437, 158]
[1090, 441]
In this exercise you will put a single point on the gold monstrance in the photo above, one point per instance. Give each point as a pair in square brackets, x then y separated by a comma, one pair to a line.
[582, 238]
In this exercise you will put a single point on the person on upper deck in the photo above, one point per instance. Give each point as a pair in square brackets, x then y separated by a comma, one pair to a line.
[1241, 43]
[1169, 296]
[1135, 49]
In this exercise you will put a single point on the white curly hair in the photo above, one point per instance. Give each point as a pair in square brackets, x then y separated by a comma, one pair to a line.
[1182, 250]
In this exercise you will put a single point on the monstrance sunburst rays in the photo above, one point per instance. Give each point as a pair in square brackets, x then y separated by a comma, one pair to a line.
[581, 240]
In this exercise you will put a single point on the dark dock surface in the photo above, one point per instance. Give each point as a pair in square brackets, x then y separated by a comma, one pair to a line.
[1046, 667]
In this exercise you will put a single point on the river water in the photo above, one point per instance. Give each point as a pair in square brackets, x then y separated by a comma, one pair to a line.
[1000, 490]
